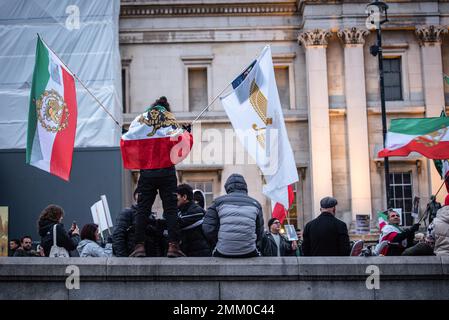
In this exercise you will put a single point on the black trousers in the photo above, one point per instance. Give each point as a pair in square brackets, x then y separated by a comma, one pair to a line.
[150, 183]
[253, 254]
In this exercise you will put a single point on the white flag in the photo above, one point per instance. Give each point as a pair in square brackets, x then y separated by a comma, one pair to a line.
[255, 112]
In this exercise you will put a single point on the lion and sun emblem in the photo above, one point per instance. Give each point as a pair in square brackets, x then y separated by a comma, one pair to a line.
[159, 119]
[52, 111]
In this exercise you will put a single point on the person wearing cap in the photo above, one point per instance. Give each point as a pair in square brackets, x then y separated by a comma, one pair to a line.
[326, 235]
[274, 244]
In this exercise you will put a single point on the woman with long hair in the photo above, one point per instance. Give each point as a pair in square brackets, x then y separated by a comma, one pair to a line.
[50, 216]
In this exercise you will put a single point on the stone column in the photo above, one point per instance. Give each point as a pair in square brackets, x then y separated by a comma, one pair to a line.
[432, 70]
[315, 43]
[357, 121]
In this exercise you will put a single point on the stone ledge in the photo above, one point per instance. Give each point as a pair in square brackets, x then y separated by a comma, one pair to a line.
[218, 278]
[21, 269]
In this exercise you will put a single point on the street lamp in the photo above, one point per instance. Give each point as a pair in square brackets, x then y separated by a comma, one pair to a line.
[377, 15]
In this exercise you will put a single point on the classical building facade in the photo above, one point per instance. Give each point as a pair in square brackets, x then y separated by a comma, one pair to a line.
[328, 83]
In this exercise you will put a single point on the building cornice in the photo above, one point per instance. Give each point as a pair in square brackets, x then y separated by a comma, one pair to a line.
[242, 34]
[145, 9]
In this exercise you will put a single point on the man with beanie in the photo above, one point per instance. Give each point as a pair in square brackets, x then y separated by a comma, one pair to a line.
[233, 224]
[275, 244]
[326, 235]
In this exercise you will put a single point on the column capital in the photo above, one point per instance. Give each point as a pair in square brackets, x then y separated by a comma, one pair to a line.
[429, 35]
[316, 37]
[353, 36]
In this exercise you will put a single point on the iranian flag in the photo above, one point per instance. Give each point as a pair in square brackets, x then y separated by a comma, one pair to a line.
[52, 115]
[279, 211]
[427, 136]
[382, 219]
[155, 140]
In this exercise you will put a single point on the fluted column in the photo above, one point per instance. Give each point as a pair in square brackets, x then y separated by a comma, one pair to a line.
[315, 44]
[429, 37]
[353, 40]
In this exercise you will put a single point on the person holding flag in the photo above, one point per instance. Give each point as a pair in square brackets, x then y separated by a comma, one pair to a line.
[399, 239]
[154, 143]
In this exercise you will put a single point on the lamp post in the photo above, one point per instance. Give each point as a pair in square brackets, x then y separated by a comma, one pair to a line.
[377, 15]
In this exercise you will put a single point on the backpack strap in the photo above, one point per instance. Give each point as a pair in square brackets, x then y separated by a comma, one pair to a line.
[54, 234]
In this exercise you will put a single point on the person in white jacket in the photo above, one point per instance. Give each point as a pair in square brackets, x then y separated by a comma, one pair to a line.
[439, 229]
[89, 247]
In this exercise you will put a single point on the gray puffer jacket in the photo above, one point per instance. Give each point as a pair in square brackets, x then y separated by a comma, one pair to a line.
[234, 222]
[441, 231]
[89, 248]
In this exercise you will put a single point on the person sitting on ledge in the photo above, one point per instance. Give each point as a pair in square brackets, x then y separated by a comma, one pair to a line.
[399, 239]
[233, 224]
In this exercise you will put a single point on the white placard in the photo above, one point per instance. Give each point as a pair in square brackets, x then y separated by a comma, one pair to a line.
[106, 211]
[101, 214]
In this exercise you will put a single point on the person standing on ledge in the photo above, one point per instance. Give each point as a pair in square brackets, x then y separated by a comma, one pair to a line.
[326, 235]
[162, 180]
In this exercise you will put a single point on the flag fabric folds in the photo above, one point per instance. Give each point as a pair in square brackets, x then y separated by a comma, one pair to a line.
[255, 112]
[52, 115]
[279, 211]
[155, 140]
[427, 136]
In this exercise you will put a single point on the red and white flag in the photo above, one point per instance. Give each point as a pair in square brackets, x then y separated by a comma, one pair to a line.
[155, 140]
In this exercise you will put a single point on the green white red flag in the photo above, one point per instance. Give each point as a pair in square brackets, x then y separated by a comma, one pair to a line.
[52, 114]
[427, 136]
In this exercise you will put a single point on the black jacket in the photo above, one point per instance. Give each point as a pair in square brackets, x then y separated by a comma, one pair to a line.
[123, 237]
[419, 249]
[326, 236]
[193, 241]
[25, 253]
[269, 246]
[63, 238]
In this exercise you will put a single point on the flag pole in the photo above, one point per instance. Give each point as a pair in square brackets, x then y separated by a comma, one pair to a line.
[82, 83]
[208, 106]
[444, 181]
[218, 95]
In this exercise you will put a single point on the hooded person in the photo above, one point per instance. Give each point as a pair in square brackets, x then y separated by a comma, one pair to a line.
[233, 224]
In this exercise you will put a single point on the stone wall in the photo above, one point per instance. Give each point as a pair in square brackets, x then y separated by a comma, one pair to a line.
[409, 278]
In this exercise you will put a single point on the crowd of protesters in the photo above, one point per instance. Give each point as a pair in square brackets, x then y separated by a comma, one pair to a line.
[232, 227]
